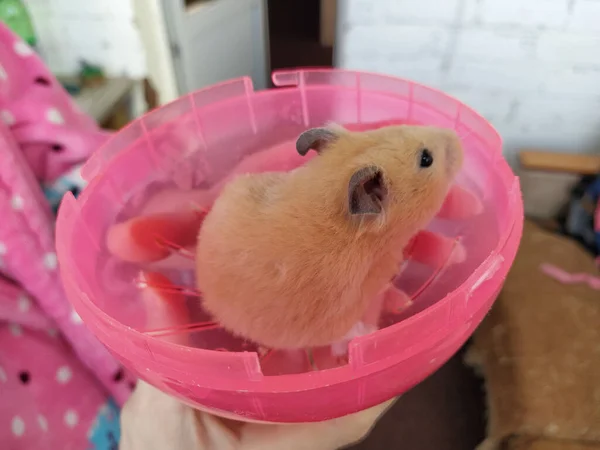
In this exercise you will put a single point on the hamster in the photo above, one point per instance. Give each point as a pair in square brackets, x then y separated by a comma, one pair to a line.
[292, 260]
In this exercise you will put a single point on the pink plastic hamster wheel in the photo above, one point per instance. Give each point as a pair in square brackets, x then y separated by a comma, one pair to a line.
[193, 143]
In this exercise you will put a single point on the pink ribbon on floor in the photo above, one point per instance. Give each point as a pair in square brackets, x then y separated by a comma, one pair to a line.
[570, 278]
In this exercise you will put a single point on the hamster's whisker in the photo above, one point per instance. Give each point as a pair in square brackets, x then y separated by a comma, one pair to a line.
[179, 290]
[176, 248]
[189, 328]
[311, 358]
[434, 276]
[169, 288]
[341, 360]
[200, 210]
[265, 356]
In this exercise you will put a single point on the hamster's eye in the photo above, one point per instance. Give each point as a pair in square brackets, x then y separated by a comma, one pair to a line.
[426, 158]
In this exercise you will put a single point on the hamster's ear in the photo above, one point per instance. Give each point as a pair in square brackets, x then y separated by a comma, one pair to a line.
[367, 191]
[316, 139]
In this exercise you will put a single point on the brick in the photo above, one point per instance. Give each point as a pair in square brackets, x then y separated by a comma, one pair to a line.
[79, 30]
[567, 48]
[49, 29]
[424, 72]
[60, 60]
[394, 42]
[134, 66]
[120, 9]
[77, 9]
[494, 106]
[582, 81]
[423, 11]
[563, 113]
[495, 77]
[585, 17]
[517, 13]
[584, 140]
[495, 45]
[360, 12]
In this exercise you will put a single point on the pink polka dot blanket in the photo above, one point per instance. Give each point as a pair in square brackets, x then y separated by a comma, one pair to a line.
[49, 399]
[44, 139]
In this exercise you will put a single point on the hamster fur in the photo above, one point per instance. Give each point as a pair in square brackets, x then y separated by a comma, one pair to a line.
[292, 260]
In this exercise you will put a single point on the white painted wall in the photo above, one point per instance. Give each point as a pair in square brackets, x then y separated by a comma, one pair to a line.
[101, 31]
[125, 37]
[532, 67]
[150, 19]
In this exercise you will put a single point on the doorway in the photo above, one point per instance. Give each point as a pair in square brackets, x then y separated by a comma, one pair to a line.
[300, 33]
[215, 40]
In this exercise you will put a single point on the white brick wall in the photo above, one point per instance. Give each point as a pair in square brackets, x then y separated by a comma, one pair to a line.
[99, 31]
[532, 67]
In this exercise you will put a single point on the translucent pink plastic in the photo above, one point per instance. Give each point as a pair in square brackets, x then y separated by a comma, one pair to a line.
[193, 143]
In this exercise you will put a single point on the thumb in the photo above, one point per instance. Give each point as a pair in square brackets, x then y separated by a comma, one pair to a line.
[328, 435]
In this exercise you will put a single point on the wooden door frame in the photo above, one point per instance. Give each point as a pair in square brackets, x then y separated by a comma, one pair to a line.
[173, 11]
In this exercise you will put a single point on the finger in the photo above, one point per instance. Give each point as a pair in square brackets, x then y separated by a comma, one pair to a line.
[152, 420]
[459, 204]
[152, 238]
[434, 250]
[328, 435]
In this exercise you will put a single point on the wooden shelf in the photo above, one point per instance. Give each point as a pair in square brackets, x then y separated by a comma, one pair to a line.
[560, 162]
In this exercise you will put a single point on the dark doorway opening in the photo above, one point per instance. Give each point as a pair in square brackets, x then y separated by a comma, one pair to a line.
[295, 35]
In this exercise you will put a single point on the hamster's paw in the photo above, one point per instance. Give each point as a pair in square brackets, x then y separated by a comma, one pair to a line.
[340, 348]
[395, 300]
[459, 253]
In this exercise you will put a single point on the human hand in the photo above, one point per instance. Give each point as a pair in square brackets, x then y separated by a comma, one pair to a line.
[153, 420]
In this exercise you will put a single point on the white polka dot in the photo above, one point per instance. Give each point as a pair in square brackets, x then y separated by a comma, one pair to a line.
[54, 116]
[3, 75]
[64, 375]
[16, 202]
[3, 377]
[15, 329]
[22, 49]
[71, 418]
[50, 261]
[42, 422]
[24, 303]
[18, 426]
[2, 248]
[7, 117]
[75, 318]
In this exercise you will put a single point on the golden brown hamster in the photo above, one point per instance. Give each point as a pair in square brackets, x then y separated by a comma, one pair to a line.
[292, 260]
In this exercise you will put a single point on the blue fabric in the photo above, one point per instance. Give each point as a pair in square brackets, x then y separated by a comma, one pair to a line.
[70, 182]
[594, 193]
[579, 221]
[106, 432]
